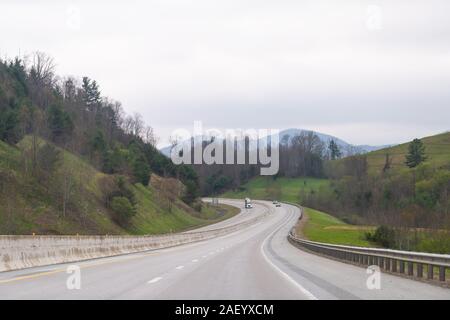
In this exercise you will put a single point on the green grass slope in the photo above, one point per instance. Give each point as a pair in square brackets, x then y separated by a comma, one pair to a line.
[31, 206]
[437, 151]
[322, 227]
[283, 189]
[155, 217]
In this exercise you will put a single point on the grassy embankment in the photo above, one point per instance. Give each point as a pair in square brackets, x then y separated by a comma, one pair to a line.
[31, 206]
[437, 152]
[283, 189]
[323, 227]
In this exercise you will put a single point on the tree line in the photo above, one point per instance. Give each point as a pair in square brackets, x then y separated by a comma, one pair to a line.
[301, 155]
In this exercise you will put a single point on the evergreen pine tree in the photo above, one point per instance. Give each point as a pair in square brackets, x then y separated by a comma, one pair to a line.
[416, 153]
[335, 152]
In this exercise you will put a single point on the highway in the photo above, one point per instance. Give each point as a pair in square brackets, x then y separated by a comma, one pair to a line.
[254, 263]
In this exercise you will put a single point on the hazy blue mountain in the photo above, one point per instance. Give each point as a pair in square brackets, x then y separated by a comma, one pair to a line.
[346, 148]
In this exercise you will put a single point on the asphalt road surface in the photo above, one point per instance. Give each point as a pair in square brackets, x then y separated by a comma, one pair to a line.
[254, 263]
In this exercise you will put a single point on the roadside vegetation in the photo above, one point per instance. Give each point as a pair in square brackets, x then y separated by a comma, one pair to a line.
[74, 197]
[404, 191]
[72, 161]
[274, 188]
[322, 227]
[406, 188]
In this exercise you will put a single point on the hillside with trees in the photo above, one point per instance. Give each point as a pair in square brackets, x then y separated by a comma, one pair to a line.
[403, 189]
[72, 161]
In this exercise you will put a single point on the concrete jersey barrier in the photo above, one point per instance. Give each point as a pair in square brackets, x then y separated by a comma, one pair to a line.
[19, 252]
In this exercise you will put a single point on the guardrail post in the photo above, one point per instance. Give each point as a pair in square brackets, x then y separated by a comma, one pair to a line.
[430, 272]
[394, 265]
[410, 269]
[389, 260]
[402, 266]
[441, 273]
[381, 262]
[420, 270]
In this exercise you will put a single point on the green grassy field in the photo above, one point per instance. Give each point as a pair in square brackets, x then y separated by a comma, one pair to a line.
[283, 189]
[322, 227]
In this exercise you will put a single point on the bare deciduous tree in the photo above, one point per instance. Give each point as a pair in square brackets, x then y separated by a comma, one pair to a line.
[149, 136]
[43, 68]
[138, 125]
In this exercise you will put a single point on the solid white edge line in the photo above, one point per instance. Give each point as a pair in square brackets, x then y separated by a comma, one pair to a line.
[308, 294]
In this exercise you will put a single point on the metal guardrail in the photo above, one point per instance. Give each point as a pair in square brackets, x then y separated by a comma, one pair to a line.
[416, 265]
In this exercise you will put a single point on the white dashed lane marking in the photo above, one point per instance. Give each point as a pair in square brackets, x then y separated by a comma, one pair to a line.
[154, 280]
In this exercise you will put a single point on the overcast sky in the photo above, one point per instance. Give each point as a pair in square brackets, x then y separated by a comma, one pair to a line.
[369, 72]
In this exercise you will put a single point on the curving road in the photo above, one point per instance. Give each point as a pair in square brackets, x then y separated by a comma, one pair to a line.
[254, 263]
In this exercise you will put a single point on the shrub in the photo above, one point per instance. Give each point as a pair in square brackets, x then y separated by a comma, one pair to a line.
[123, 208]
[383, 236]
[191, 193]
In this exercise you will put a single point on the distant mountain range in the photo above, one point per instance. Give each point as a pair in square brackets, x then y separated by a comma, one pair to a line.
[346, 148]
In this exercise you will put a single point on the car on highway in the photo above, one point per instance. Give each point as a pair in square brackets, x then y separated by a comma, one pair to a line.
[248, 203]
[276, 203]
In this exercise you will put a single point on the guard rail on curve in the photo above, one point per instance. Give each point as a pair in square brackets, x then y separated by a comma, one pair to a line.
[412, 264]
[18, 252]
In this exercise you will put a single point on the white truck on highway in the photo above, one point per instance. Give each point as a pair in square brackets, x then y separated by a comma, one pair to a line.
[248, 203]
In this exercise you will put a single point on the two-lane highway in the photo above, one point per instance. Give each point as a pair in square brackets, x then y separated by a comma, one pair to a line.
[254, 263]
